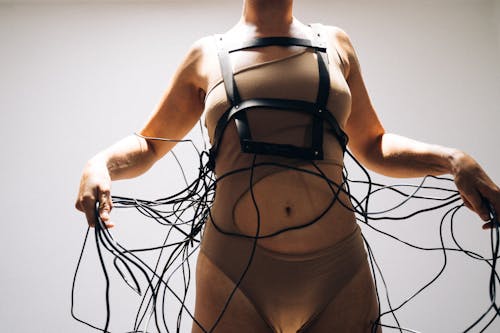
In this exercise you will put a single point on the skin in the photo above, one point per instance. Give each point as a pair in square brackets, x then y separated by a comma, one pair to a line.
[182, 105]
[183, 102]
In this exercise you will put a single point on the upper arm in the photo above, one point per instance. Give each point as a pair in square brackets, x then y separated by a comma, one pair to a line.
[182, 103]
[363, 125]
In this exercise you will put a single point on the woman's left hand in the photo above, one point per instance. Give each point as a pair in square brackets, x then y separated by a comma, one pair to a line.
[478, 191]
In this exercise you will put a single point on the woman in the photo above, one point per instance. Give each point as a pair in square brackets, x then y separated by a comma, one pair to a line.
[313, 277]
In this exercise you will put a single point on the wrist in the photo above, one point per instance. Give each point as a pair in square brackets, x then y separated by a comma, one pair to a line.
[97, 164]
[97, 161]
[455, 159]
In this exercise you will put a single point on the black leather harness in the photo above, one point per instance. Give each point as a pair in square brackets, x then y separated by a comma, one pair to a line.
[238, 108]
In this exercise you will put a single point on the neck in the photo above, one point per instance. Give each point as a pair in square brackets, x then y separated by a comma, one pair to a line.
[268, 16]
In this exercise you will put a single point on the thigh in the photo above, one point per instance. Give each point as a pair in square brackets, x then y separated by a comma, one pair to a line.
[354, 308]
[213, 289]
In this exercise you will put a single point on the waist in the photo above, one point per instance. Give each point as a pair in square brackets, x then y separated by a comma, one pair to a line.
[292, 210]
[236, 164]
[225, 243]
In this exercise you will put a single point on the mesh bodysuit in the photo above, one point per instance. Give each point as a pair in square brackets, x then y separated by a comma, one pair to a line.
[288, 281]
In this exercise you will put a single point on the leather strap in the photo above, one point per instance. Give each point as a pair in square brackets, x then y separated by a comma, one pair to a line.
[233, 95]
[276, 41]
[238, 108]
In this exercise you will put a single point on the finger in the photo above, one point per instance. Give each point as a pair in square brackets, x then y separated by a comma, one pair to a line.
[78, 206]
[492, 201]
[466, 202]
[88, 207]
[493, 212]
[478, 205]
[488, 225]
[105, 206]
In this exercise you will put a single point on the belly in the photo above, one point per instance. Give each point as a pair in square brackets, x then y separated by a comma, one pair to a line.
[295, 211]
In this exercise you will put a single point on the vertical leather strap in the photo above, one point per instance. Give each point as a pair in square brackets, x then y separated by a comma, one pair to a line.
[323, 90]
[226, 68]
[324, 82]
[324, 75]
[232, 91]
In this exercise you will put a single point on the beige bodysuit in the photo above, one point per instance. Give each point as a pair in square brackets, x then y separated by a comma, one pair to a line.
[289, 281]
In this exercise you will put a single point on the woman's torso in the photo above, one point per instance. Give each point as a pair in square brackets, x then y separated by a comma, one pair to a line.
[280, 197]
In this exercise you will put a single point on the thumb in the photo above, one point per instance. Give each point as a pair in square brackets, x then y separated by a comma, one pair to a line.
[105, 206]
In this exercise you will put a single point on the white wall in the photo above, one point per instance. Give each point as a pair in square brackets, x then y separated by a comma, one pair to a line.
[76, 77]
[496, 4]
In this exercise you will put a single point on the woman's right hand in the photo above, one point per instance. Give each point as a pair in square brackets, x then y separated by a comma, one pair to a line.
[95, 186]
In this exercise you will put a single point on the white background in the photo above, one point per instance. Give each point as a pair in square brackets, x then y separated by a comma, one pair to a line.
[75, 76]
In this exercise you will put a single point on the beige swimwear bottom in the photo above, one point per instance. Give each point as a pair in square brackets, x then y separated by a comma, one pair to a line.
[330, 290]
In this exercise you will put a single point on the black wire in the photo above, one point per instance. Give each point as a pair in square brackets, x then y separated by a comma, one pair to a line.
[185, 213]
[252, 252]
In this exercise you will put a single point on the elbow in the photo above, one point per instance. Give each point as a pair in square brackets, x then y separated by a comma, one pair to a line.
[370, 152]
[150, 151]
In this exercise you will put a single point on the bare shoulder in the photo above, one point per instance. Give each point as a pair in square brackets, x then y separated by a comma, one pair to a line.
[341, 40]
[188, 69]
[200, 48]
[340, 37]
[196, 64]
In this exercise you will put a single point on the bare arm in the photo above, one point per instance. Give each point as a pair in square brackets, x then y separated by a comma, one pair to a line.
[178, 111]
[397, 156]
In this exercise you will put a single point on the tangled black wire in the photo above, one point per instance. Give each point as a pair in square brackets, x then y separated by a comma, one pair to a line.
[185, 213]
